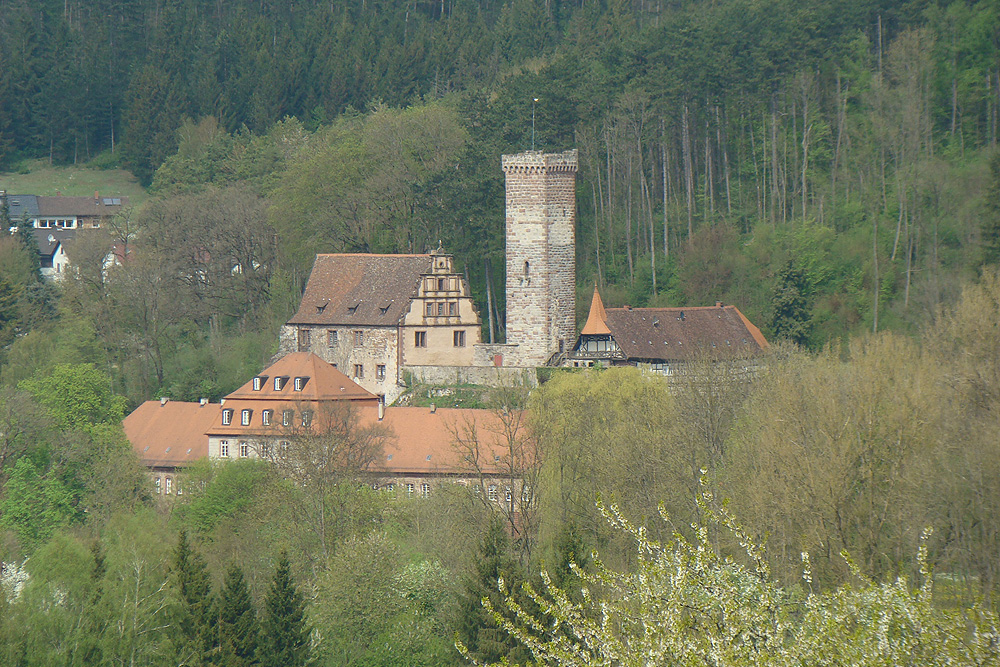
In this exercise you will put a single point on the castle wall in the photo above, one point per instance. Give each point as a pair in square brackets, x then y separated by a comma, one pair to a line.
[541, 253]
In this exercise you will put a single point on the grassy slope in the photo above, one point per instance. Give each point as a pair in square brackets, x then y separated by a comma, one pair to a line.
[78, 181]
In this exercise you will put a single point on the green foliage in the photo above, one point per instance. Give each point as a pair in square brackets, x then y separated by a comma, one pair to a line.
[77, 395]
[231, 491]
[790, 318]
[238, 630]
[35, 504]
[991, 219]
[684, 602]
[285, 639]
[197, 622]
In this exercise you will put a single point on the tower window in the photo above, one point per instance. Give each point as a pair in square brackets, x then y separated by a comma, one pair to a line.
[304, 339]
[527, 268]
[380, 372]
[459, 339]
[420, 339]
[332, 338]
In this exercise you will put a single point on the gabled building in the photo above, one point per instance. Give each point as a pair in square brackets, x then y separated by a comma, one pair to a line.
[52, 251]
[371, 315]
[662, 339]
[291, 397]
[169, 436]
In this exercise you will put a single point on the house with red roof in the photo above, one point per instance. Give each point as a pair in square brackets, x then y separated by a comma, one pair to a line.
[372, 315]
[664, 339]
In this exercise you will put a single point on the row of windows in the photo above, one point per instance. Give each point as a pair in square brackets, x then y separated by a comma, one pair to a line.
[266, 417]
[60, 224]
[420, 338]
[165, 485]
[441, 284]
[359, 372]
[244, 449]
[279, 382]
[492, 491]
[441, 309]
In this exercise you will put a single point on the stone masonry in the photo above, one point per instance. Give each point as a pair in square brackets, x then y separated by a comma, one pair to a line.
[541, 254]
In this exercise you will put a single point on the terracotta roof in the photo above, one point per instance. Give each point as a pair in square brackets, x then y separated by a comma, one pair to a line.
[597, 320]
[359, 289]
[80, 206]
[425, 441]
[320, 381]
[171, 434]
[683, 333]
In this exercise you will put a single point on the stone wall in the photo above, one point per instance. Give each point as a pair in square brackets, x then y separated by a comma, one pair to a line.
[479, 375]
[541, 253]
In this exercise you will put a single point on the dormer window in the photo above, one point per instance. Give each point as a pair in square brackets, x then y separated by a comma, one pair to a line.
[279, 382]
[299, 383]
[258, 382]
[245, 417]
[227, 417]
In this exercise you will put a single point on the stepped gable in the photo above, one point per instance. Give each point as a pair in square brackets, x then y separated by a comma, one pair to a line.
[321, 382]
[170, 434]
[684, 333]
[360, 289]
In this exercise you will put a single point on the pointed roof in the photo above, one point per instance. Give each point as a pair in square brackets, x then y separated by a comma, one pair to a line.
[319, 381]
[597, 321]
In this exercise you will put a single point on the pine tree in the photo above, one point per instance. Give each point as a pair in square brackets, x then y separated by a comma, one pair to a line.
[197, 622]
[791, 318]
[239, 631]
[286, 635]
[485, 640]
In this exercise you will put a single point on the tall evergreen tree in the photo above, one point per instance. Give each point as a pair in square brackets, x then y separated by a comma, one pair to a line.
[485, 640]
[990, 226]
[197, 622]
[285, 641]
[239, 630]
[791, 318]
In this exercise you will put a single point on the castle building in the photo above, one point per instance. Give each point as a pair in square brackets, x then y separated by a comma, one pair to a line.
[373, 315]
[664, 340]
[541, 257]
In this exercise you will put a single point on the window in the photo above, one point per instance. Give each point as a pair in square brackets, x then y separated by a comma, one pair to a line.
[453, 309]
[279, 383]
[265, 450]
[431, 309]
[158, 484]
[442, 284]
[380, 372]
[244, 450]
[180, 491]
[441, 307]
[420, 339]
[391, 486]
[167, 488]
[526, 494]
[299, 383]
[286, 417]
[527, 268]
[265, 417]
[332, 338]
[459, 339]
[257, 383]
[409, 489]
[359, 371]
[307, 417]
[507, 496]
[425, 490]
[492, 492]
[283, 448]
[359, 338]
[304, 340]
[245, 417]
[227, 417]
[224, 449]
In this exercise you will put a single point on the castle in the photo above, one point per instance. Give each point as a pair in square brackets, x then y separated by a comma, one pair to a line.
[378, 318]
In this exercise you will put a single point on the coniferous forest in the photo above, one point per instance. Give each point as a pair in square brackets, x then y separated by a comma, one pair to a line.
[830, 167]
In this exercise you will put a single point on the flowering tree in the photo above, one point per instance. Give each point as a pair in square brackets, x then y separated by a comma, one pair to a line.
[687, 604]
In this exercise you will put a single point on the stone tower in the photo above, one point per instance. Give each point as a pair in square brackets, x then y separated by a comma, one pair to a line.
[541, 254]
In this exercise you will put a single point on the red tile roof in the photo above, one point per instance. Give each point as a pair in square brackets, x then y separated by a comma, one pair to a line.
[683, 333]
[321, 382]
[171, 434]
[360, 289]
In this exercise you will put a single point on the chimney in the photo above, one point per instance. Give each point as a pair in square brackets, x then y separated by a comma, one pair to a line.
[203, 402]
[433, 408]
[381, 408]
[163, 401]
[97, 199]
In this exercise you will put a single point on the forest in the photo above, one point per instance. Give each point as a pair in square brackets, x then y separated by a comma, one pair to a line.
[829, 167]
